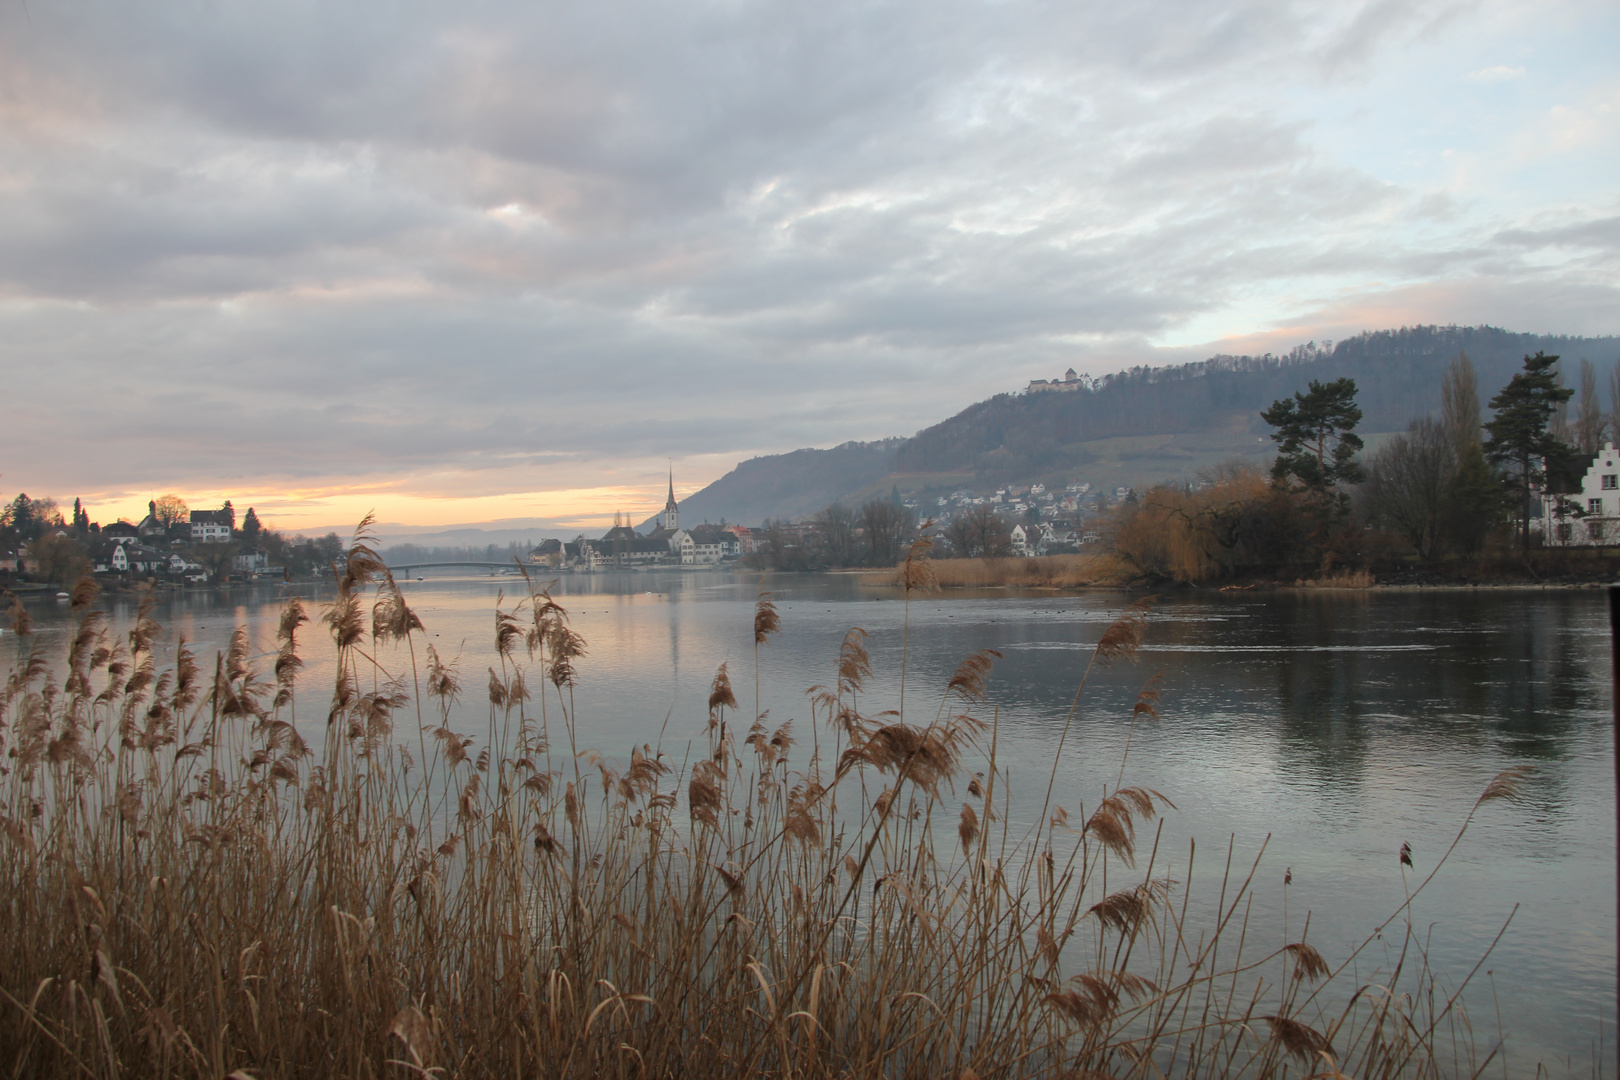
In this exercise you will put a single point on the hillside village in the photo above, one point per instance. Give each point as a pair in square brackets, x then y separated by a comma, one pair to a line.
[1015, 520]
[172, 544]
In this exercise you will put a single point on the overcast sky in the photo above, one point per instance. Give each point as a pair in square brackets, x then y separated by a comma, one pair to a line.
[467, 262]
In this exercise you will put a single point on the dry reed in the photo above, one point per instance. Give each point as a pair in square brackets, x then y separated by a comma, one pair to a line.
[191, 889]
[1036, 572]
[1346, 578]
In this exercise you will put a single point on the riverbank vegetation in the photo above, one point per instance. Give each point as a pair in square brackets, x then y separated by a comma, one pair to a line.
[1455, 499]
[1039, 572]
[203, 873]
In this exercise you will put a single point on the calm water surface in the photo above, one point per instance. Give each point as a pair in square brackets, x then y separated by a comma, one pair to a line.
[1339, 725]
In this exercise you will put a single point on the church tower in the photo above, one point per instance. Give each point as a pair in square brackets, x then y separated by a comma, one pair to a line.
[672, 514]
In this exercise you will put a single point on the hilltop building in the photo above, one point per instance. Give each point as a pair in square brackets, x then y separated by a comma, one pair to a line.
[1070, 381]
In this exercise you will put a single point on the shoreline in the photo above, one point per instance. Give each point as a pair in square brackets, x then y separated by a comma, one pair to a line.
[991, 578]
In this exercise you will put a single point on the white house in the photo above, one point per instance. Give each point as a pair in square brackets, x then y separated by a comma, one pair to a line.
[1020, 541]
[682, 548]
[1592, 516]
[213, 526]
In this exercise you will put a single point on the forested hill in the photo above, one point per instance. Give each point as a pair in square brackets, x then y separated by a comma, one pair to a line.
[791, 485]
[1397, 374]
[1138, 426]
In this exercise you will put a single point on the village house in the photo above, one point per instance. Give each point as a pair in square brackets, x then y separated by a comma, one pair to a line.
[213, 526]
[548, 553]
[744, 538]
[1591, 516]
[140, 559]
[713, 543]
[121, 532]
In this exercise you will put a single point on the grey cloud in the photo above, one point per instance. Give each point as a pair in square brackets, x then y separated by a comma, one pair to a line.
[1600, 233]
[263, 239]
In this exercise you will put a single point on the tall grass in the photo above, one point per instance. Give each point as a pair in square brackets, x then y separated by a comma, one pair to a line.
[1035, 572]
[189, 887]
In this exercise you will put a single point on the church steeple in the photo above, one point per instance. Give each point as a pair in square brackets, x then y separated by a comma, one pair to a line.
[672, 513]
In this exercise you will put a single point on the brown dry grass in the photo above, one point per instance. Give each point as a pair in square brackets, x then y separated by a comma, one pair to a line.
[1036, 572]
[1339, 579]
[188, 888]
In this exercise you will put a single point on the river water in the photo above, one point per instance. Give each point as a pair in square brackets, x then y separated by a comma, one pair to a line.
[1332, 727]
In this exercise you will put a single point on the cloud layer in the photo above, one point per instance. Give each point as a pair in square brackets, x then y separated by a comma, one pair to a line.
[418, 254]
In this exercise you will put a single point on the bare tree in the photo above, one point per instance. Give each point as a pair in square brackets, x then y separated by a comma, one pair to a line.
[170, 510]
[1408, 481]
[1590, 423]
[979, 532]
[1614, 400]
[885, 523]
[836, 524]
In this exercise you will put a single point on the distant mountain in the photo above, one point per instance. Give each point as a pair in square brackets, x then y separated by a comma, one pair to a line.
[1135, 427]
[790, 486]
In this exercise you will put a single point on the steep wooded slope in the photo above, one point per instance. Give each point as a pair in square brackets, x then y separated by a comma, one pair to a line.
[1137, 426]
[790, 485]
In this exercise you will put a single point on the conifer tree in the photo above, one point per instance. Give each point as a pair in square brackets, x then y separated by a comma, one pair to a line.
[1316, 438]
[1521, 434]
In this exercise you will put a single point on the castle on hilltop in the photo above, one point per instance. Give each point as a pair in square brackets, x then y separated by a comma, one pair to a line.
[1070, 381]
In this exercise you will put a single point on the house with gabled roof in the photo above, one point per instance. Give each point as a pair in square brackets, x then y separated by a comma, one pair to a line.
[1589, 517]
[213, 526]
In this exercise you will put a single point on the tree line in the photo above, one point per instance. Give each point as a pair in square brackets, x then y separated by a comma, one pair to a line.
[872, 534]
[1450, 487]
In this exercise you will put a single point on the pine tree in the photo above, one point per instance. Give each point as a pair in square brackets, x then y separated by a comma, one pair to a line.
[1316, 437]
[1520, 432]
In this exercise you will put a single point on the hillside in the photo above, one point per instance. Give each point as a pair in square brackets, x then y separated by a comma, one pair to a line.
[1135, 427]
[791, 485]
